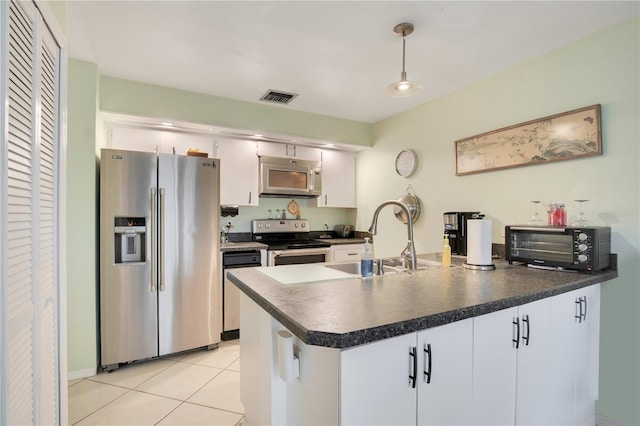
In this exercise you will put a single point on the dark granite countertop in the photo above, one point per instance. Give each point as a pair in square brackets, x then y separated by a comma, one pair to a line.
[353, 311]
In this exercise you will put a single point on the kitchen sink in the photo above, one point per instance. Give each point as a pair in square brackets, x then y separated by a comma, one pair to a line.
[392, 265]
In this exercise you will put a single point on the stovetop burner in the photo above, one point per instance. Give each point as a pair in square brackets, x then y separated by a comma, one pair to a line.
[282, 234]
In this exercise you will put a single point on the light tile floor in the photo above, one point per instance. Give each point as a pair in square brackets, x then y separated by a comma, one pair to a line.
[197, 388]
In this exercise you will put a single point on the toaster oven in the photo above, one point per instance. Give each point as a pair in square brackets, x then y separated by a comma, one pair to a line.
[578, 248]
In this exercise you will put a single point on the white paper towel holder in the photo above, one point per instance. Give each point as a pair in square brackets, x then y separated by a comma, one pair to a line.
[474, 266]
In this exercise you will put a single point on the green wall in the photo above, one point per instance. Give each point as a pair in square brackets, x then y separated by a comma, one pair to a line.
[137, 98]
[603, 68]
[81, 218]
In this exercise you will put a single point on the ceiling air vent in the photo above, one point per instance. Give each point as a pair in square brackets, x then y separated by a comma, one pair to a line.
[278, 97]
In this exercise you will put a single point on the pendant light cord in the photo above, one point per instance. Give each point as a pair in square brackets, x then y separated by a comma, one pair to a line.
[403, 43]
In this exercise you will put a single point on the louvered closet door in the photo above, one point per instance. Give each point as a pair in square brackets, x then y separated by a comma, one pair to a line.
[29, 234]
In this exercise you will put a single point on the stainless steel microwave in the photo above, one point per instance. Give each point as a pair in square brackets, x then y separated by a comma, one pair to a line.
[291, 177]
[579, 248]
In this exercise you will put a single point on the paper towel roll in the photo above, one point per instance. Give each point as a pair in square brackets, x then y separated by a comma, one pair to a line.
[479, 242]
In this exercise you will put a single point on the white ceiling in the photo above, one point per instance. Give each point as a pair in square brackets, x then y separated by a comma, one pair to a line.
[337, 55]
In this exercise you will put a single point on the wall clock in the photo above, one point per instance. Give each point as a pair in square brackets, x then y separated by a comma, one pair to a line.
[406, 163]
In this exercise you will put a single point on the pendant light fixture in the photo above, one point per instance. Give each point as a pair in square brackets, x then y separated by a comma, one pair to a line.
[403, 87]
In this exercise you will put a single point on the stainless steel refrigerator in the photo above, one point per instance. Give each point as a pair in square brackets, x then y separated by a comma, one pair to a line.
[159, 255]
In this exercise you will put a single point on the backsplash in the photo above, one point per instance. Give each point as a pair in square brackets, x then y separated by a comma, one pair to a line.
[317, 216]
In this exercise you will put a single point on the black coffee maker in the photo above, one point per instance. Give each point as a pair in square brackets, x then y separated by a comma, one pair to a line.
[455, 227]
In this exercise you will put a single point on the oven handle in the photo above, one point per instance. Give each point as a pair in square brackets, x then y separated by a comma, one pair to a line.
[296, 252]
[272, 255]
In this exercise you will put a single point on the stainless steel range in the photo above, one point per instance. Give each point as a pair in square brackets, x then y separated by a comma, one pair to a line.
[289, 242]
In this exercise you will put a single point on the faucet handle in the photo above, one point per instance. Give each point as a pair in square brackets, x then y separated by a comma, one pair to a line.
[379, 267]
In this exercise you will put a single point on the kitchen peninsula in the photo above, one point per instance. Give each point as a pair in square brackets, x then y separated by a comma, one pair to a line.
[433, 346]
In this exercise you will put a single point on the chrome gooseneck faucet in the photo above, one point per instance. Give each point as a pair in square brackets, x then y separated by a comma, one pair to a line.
[409, 251]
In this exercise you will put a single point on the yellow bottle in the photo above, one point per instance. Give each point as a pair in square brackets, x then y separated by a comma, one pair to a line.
[446, 252]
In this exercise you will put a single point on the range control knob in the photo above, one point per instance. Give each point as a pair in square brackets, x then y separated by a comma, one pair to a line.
[582, 247]
[267, 225]
[297, 225]
[582, 236]
[582, 258]
[304, 225]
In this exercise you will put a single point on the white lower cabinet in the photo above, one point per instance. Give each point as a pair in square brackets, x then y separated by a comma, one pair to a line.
[575, 338]
[511, 369]
[444, 390]
[538, 363]
[420, 378]
[375, 387]
[535, 364]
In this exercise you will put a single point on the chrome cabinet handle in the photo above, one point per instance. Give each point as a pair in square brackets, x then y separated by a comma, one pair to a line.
[427, 362]
[584, 312]
[249, 197]
[325, 199]
[414, 365]
[162, 286]
[578, 310]
[154, 254]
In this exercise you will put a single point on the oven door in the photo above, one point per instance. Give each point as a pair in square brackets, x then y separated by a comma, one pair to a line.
[298, 256]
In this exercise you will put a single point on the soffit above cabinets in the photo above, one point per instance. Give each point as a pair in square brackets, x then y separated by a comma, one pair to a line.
[218, 132]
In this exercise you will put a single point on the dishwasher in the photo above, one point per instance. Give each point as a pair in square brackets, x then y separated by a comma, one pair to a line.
[230, 293]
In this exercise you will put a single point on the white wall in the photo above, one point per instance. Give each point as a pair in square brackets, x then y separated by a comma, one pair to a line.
[600, 69]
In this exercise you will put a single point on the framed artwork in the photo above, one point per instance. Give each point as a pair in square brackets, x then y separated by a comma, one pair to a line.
[564, 136]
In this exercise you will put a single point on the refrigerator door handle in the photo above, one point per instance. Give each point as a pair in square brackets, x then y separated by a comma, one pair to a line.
[154, 254]
[161, 245]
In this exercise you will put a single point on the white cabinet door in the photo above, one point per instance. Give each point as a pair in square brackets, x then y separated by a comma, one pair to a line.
[446, 360]
[588, 359]
[575, 338]
[512, 366]
[494, 368]
[375, 385]
[347, 252]
[274, 149]
[238, 173]
[338, 179]
[533, 366]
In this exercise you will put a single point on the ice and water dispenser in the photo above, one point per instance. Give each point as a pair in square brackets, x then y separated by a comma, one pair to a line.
[130, 239]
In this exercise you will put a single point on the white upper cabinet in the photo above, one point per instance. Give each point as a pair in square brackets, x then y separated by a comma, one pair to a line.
[300, 152]
[338, 179]
[238, 172]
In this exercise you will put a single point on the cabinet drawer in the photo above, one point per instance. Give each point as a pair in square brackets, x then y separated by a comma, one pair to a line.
[347, 252]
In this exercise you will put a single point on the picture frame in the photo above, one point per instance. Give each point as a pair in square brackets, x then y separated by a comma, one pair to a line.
[559, 137]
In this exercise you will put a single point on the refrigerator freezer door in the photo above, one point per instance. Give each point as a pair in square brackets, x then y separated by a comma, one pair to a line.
[128, 300]
[189, 296]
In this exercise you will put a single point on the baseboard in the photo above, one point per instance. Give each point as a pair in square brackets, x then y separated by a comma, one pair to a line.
[606, 421]
[81, 374]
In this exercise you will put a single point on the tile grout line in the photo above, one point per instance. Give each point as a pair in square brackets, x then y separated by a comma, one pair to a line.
[173, 362]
